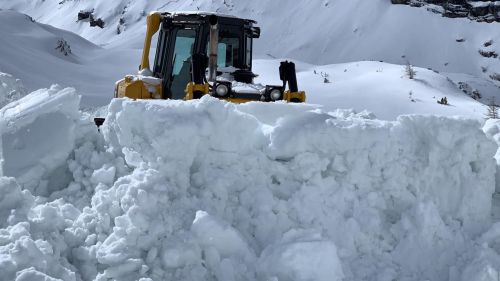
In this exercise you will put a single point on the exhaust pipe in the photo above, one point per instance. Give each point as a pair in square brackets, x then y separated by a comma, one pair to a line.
[214, 43]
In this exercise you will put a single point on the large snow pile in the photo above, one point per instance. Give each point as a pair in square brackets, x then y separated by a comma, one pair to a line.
[207, 190]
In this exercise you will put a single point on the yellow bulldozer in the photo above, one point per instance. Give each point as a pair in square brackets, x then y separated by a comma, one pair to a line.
[191, 42]
[203, 53]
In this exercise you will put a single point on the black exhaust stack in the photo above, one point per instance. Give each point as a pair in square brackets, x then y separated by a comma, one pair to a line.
[213, 45]
[288, 75]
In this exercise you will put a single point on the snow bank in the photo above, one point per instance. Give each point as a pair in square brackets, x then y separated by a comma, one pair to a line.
[207, 190]
[216, 192]
[37, 133]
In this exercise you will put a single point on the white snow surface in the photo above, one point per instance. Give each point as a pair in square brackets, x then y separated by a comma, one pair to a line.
[208, 190]
[28, 52]
[173, 190]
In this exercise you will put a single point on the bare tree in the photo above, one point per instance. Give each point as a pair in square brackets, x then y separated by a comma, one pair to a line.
[410, 72]
[63, 47]
[492, 109]
[443, 101]
[325, 77]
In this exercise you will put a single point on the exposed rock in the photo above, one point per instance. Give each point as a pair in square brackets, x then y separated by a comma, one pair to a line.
[88, 15]
[488, 54]
[478, 10]
[96, 22]
[83, 15]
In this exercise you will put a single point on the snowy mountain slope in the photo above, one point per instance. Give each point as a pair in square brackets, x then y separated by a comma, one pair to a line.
[29, 51]
[318, 32]
[381, 88]
[305, 195]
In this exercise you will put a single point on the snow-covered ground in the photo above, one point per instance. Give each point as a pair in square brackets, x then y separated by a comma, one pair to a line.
[376, 86]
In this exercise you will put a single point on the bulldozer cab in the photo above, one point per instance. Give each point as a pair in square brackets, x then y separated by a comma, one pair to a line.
[183, 35]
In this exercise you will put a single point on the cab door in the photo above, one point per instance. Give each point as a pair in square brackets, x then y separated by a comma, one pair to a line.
[176, 45]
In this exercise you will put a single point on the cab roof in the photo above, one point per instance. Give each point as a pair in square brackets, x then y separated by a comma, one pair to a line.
[203, 15]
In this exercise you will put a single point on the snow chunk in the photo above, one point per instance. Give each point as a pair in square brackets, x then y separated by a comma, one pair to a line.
[14, 202]
[105, 175]
[301, 259]
[31, 274]
[212, 232]
[37, 134]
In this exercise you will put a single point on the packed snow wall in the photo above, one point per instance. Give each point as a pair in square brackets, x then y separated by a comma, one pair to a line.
[208, 190]
[238, 193]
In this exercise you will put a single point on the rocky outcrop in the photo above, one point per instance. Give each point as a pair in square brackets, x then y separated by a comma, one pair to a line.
[88, 15]
[478, 10]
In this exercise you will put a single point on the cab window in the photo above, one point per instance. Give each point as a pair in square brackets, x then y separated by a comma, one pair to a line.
[183, 49]
[228, 50]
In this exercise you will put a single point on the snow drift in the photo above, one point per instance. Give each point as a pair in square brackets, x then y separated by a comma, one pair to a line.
[207, 190]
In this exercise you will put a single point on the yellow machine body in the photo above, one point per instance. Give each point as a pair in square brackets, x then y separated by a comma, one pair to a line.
[137, 89]
[192, 89]
[294, 96]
